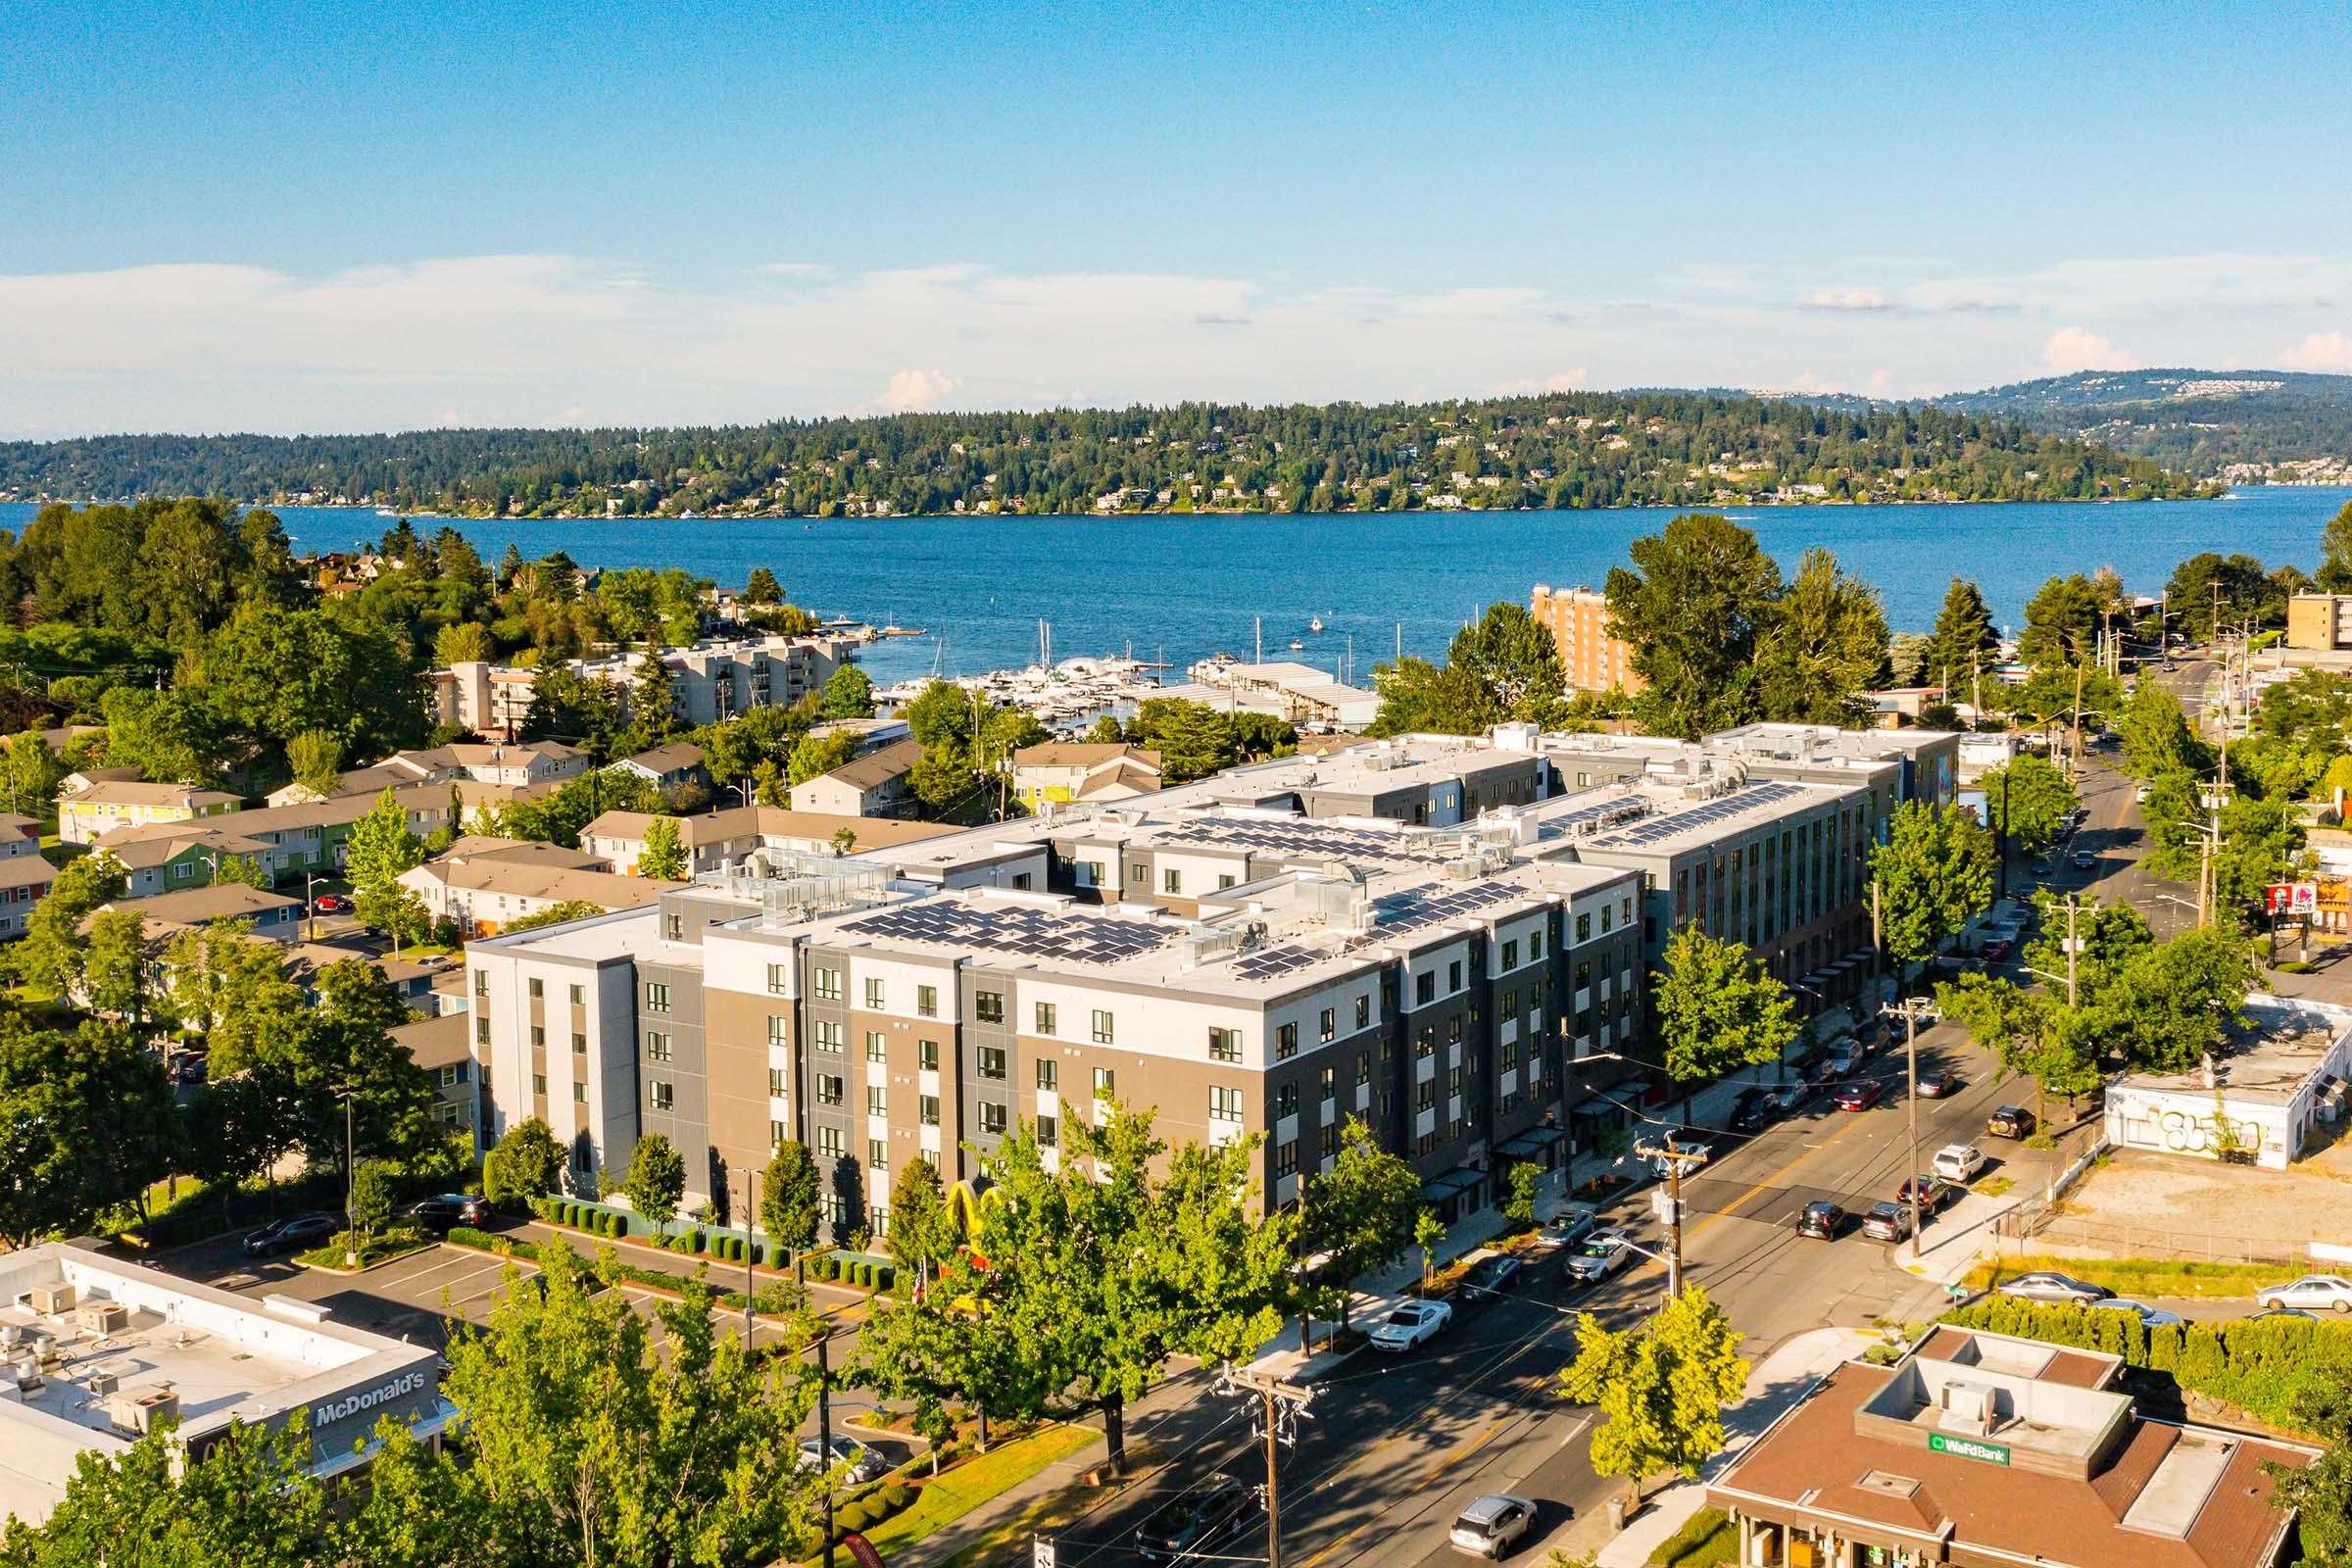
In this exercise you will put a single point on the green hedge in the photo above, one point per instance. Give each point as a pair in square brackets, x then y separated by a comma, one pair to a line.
[2263, 1368]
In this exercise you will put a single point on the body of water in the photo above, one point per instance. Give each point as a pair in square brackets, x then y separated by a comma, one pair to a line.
[1179, 588]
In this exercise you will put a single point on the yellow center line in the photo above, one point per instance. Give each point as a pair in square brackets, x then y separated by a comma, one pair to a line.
[1772, 1180]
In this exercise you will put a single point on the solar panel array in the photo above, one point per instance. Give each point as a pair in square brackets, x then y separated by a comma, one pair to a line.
[1304, 839]
[1415, 907]
[1273, 961]
[1074, 939]
[1653, 830]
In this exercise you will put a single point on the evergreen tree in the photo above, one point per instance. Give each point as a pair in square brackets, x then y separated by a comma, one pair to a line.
[1963, 642]
[1692, 607]
[657, 1179]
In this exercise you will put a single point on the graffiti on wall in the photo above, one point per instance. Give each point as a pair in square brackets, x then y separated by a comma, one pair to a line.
[2193, 1132]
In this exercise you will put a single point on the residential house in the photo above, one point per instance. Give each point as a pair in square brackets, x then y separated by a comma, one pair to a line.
[1061, 773]
[487, 885]
[873, 785]
[273, 914]
[164, 857]
[725, 840]
[442, 1046]
[24, 876]
[313, 836]
[669, 768]
[520, 763]
[86, 814]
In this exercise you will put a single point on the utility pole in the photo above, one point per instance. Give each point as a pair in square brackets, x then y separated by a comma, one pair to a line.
[1670, 1211]
[1280, 1407]
[825, 1428]
[750, 1179]
[2070, 945]
[1913, 1008]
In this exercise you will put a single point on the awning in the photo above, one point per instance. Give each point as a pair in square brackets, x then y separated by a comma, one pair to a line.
[1460, 1179]
[1610, 1102]
[1531, 1142]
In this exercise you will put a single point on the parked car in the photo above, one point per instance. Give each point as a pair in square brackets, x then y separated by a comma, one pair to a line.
[1411, 1324]
[2140, 795]
[1934, 1195]
[2083, 861]
[1489, 1277]
[188, 1067]
[2042, 866]
[1753, 1111]
[1995, 949]
[1601, 1255]
[2149, 1317]
[1845, 1058]
[1689, 1146]
[860, 1463]
[1822, 1220]
[2312, 1292]
[1887, 1222]
[1493, 1525]
[292, 1232]
[1196, 1523]
[2255, 1317]
[1859, 1094]
[1791, 1097]
[1568, 1227]
[2010, 1122]
[1959, 1162]
[331, 904]
[2048, 1285]
[444, 1210]
[1937, 1083]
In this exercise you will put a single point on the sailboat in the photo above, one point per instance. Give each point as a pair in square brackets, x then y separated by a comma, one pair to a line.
[1315, 624]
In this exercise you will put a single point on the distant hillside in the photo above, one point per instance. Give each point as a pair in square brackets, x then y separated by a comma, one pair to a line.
[2232, 422]
[1568, 450]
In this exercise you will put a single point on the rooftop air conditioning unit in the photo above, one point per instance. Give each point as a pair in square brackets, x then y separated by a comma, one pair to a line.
[1967, 1407]
[50, 1300]
[101, 1384]
[12, 1334]
[103, 1317]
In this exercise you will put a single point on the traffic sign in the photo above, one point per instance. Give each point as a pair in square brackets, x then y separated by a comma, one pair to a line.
[1041, 1552]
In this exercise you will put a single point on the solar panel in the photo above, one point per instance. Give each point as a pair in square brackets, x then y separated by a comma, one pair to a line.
[1029, 932]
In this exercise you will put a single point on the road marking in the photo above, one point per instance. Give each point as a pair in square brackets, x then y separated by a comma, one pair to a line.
[1576, 1430]
[1462, 1450]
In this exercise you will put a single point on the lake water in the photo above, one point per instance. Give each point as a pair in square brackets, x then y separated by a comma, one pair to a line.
[1179, 588]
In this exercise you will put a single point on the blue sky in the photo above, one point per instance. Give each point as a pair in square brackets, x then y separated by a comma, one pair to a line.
[280, 217]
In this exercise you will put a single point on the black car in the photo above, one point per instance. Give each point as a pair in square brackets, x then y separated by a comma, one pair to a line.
[440, 1212]
[1824, 1220]
[2010, 1122]
[1193, 1525]
[1753, 1111]
[294, 1231]
[1489, 1276]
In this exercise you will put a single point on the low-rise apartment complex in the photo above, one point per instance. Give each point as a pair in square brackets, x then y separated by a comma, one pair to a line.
[873, 785]
[89, 814]
[710, 681]
[725, 840]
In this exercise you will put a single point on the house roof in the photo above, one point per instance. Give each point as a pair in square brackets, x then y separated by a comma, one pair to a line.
[436, 1042]
[138, 792]
[553, 884]
[766, 822]
[520, 851]
[1085, 753]
[196, 905]
[143, 849]
[334, 812]
[895, 761]
[676, 758]
[13, 827]
[24, 871]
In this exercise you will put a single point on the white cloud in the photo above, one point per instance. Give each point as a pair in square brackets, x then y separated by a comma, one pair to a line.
[1846, 299]
[911, 391]
[2072, 348]
[1565, 382]
[2321, 351]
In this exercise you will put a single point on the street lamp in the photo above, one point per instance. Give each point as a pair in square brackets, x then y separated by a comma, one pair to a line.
[310, 909]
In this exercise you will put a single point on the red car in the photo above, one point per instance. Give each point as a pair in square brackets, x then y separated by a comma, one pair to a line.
[331, 904]
[1859, 1094]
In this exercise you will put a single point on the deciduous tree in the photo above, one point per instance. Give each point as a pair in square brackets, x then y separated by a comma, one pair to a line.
[662, 853]
[1692, 607]
[1358, 1215]
[1719, 1009]
[2027, 800]
[1660, 1388]
[788, 1197]
[1932, 877]
[525, 1163]
[657, 1179]
[1822, 645]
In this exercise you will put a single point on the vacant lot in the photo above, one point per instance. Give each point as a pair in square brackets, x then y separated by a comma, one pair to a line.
[2156, 1195]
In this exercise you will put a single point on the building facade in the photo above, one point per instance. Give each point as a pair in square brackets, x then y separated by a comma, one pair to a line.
[1590, 655]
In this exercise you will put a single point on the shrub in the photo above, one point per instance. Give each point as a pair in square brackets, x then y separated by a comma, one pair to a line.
[680, 1243]
[884, 1276]
[758, 1252]
[467, 1236]
[896, 1494]
[695, 1240]
[852, 1516]
[617, 1224]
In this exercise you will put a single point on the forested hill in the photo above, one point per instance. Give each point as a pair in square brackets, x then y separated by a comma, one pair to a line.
[2203, 422]
[1567, 450]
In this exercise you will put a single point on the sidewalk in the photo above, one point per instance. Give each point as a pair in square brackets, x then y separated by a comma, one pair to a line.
[1774, 1385]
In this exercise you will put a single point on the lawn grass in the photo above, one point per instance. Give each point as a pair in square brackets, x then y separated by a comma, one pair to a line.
[1991, 1186]
[2139, 1276]
[976, 1481]
[1709, 1540]
[381, 1247]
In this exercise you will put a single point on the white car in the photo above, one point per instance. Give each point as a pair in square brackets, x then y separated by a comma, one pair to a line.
[2310, 1292]
[1409, 1325]
[1959, 1162]
[1599, 1257]
[1493, 1525]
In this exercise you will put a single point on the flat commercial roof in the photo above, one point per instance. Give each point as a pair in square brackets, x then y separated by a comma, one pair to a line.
[2267, 1060]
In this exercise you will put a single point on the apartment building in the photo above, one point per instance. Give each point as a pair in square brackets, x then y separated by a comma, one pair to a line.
[24, 876]
[725, 840]
[710, 681]
[532, 763]
[274, 916]
[88, 813]
[443, 1048]
[485, 884]
[287, 839]
[1051, 775]
[169, 855]
[1590, 655]
[2319, 622]
[872, 785]
[1437, 983]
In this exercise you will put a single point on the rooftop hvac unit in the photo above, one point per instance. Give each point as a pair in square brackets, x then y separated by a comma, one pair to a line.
[52, 1300]
[1966, 1408]
[101, 1383]
[12, 1334]
[103, 1317]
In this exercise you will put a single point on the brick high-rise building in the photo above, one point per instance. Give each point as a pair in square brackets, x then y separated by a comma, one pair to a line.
[1578, 619]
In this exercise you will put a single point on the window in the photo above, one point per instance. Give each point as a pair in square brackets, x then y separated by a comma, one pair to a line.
[1535, 943]
[926, 1054]
[990, 1061]
[1453, 976]
[1427, 1143]
[873, 992]
[928, 1108]
[1138, 873]
[1425, 1095]
[775, 1134]
[828, 985]
[1171, 880]
[1286, 1041]
[926, 1000]
[481, 982]
[877, 1101]
[1364, 1067]
[482, 1031]
[828, 1142]
[674, 926]
[1511, 1056]
[1048, 1132]
[1425, 989]
[776, 1083]
[779, 978]
[1605, 912]
[988, 1007]
[1425, 1042]
[1224, 1044]
[538, 988]
[1106, 1082]
[1330, 1083]
[538, 1036]
[1584, 928]
[1510, 955]
[1090, 874]
[660, 1096]
[1364, 1011]
[452, 1074]
[1286, 1101]
[1224, 1105]
[828, 1088]
[1511, 1005]
[658, 1046]
[1044, 1017]
[1286, 1158]
[991, 1118]
[829, 1034]
[875, 1048]
[539, 1083]
[579, 1093]
[1102, 1028]
[579, 1043]
[1453, 1083]
[579, 994]
[1224, 881]
[1327, 1026]
[877, 1156]
[656, 997]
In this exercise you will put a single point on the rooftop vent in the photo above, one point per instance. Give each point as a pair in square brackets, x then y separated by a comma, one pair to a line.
[1966, 1408]
[103, 1317]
